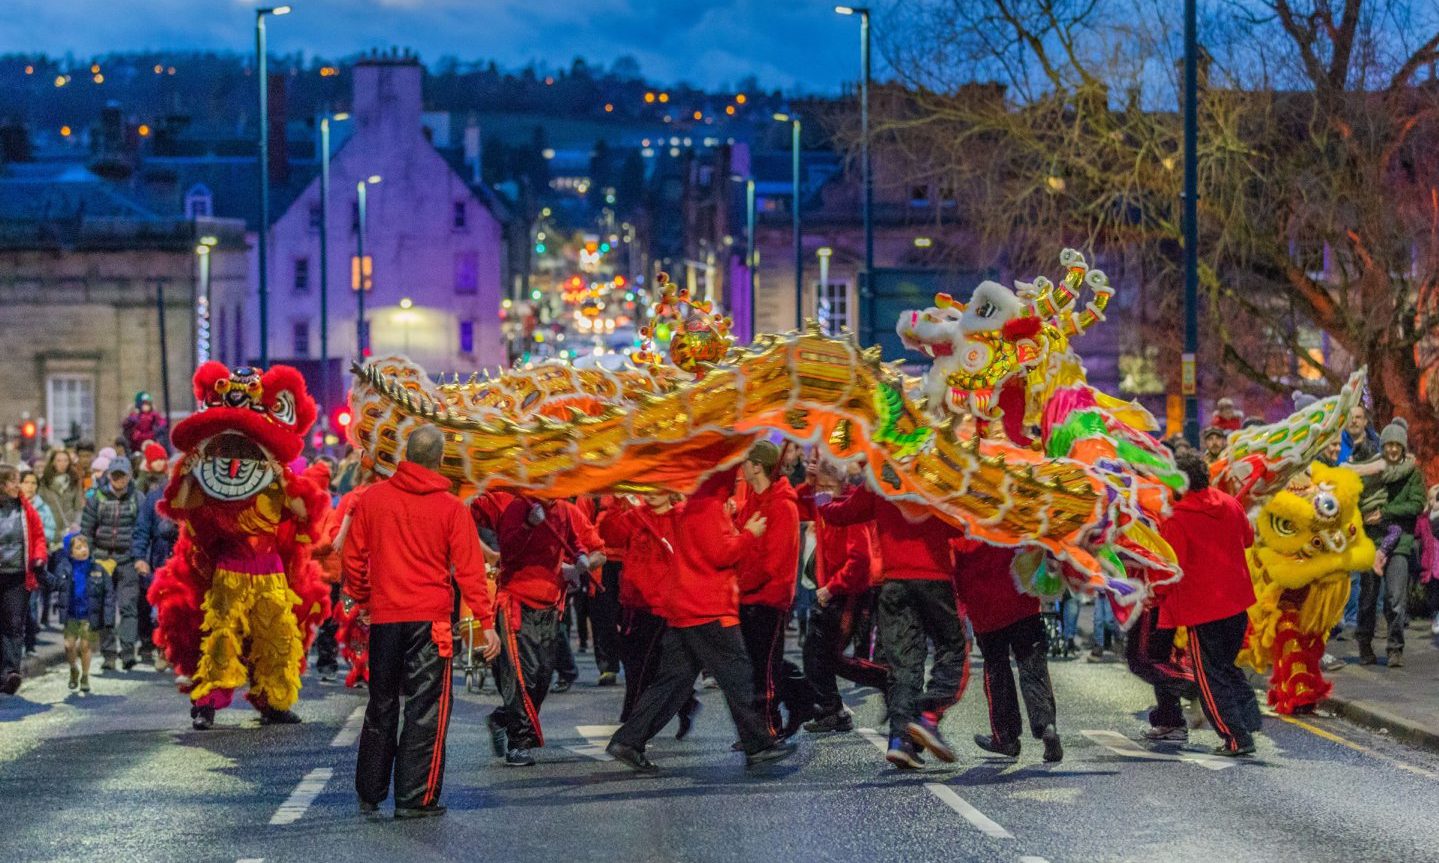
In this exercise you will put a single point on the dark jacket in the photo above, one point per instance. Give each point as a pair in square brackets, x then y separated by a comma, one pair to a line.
[81, 584]
[155, 535]
[1404, 499]
[109, 522]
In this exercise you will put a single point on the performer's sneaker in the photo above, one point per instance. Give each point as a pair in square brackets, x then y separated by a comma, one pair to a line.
[1234, 749]
[1167, 734]
[774, 752]
[1053, 749]
[608, 678]
[419, 812]
[519, 758]
[1396, 659]
[990, 743]
[631, 757]
[563, 684]
[688, 715]
[840, 720]
[903, 754]
[202, 718]
[1330, 662]
[924, 731]
[369, 810]
[499, 737]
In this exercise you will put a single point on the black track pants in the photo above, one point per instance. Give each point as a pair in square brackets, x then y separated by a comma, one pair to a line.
[830, 627]
[912, 614]
[409, 661]
[639, 650]
[1029, 643]
[605, 620]
[1149, 651]
[523, 671]
[1226, 695]
[776, 680]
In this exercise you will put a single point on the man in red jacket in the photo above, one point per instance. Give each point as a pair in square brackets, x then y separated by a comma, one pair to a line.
[546, 547]
[701, 605]
[1006, 621]
[1209, 533]
[845, 564]
[768, 574]
[406, 535]
[916, 606]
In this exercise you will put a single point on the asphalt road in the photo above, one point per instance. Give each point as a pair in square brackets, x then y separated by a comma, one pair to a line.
[119, 776]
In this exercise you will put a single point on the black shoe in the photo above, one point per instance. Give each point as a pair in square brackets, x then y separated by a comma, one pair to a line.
[903, 754]
[608, 678]
[12, 684]
[369, 810]
[107, 664]
[1396, 659]
[737, 746]
[990, 743]
[270, 716]
[631, 757]
[775, 752]
[925, 732]
[1053, 749]
[419, 812]
[202, 718]
[840, 720]
[687, 718]
[1366, 654]
[1235, 751]
[128, 664]
[563, 684]
[519, 758]
[499, 737]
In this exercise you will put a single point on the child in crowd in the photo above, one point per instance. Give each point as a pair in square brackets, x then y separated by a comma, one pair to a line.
[85, 589]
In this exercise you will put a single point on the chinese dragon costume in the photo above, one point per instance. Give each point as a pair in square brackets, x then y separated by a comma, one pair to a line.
[240, 598]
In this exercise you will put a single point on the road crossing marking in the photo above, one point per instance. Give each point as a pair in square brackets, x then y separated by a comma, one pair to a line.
[350, 731]
[294, 808]
[1123, 746]
[597, 737]
[947, 795]
[983, 823]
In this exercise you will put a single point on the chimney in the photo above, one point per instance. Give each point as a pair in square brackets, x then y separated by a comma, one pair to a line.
[474, 149]
[388, 98]
[279, 110]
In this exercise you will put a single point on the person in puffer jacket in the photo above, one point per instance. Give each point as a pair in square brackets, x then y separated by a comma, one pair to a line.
[23, 554]
[151, 543]
[85, 608]
[108, 523]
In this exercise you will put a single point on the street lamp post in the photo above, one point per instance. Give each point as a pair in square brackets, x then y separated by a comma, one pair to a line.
[1189, 372]
[264, 74]
[750, 262]
[794, 207]
[866, 326]
[360, 278]
[325, 250]
[823, 253]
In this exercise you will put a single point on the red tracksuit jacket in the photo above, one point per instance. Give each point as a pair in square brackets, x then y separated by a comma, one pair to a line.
[916, 550]
[845, 557]
[769, 573]
[985, 586]
[647, 541]
[1209, 533]
[406, 534]
[704, 587]
[531, 557]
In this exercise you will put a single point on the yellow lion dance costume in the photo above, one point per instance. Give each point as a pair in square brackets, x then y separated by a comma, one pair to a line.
[1309, 537]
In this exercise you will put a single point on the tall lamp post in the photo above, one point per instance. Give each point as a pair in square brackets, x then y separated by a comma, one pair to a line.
[1189, 374]
[264, 74]
[364, 278]
[793, 120]
[325, 250]
[866, 324]
[750, 263]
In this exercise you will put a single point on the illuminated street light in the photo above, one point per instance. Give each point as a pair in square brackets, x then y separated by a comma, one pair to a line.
[263, 239]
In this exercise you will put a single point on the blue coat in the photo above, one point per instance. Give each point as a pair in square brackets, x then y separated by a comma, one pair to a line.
[155, 536]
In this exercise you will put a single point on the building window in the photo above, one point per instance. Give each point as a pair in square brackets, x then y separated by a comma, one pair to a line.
[461, 216]
[834, 307]
[199, 203]
[355, 273]
[467, 337]
[70, 407]
[315, 217]
[467, 272]
[301, 333]
[302, 275]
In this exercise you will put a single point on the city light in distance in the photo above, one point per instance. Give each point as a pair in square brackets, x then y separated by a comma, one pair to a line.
[94, 68]
[664, 97]
[61, 80]
[407, 303]
[159, 70]
[99, 79]
[923, 242]
[740, 99]
[729, 109]
[609, 107]
[143, 131]
[65, 131]
[649, 98]
[29, 70]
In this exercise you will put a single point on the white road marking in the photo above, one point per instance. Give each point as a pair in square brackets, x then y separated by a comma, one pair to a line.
[1033, 860]
[597, 737]
[350, 731]
[251, 860]
[983, 823]
[294, 808]
[1123, 746]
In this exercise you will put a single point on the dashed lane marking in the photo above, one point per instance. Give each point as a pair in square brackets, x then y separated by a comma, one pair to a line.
[983, 823]
[251, 860]
[295, 806]
[597, 737]
[1123, 746]
[350, 731]
[947, 795]
[1358, 747]
[1033, 860]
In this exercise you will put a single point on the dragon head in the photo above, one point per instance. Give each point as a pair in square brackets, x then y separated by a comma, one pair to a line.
[248, 422]
[1312, 530]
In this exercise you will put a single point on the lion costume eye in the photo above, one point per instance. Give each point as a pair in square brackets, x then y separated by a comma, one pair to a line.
[284, 407]
[1282, 526]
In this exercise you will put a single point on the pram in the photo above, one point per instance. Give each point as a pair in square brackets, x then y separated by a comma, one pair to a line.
[471, 655]
[1060, 646]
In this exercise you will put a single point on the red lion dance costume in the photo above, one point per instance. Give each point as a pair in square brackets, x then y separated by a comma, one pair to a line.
[239, 600]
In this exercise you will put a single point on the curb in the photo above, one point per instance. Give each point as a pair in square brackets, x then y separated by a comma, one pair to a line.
[1378, 719]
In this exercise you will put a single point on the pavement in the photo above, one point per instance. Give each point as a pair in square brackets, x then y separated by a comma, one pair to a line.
[119, 774]
[1402, 702]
